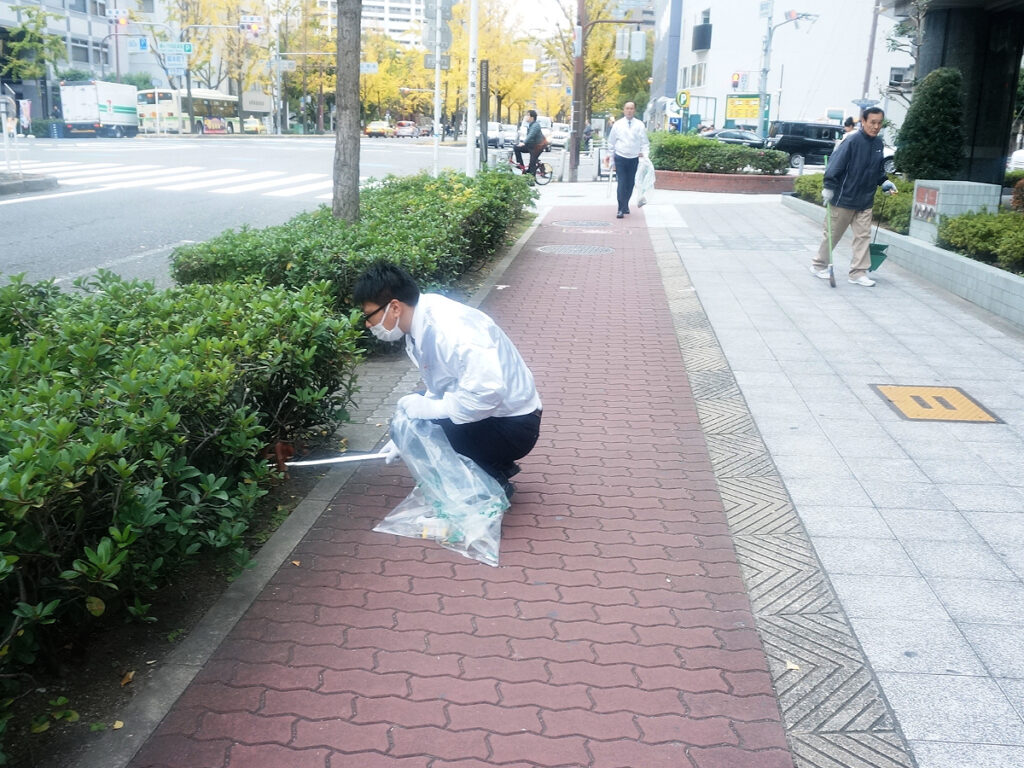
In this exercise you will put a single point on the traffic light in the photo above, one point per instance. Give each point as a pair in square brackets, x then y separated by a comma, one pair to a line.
[123, 21]
[735, 80]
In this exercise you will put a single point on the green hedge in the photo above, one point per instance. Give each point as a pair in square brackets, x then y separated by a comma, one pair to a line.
[1012, 177]
[132, 422]
[996, 238]
[894, 210]
[434, 227]
[682, 152]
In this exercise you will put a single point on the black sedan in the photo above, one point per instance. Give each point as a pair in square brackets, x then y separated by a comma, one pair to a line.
[735, 136]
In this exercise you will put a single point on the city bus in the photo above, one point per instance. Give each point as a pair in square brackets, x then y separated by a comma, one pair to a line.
[164, 110]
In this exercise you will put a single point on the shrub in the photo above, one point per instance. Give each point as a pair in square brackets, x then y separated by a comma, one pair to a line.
[1012, 177]
[808, 187]
[1017, 201]
[976, 234]
[682, 152]
[434, 227]
[931, 139]
[131, 426]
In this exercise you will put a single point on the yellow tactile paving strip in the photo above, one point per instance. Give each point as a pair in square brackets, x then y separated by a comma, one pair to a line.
[922, 403]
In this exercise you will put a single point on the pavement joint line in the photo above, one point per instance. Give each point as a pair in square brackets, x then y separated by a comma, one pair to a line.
[142, 716]
[825, 724]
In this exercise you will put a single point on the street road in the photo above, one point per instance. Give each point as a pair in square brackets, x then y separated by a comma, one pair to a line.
[125, 204]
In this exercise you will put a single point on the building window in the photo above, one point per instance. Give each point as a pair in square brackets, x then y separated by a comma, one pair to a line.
[79, 51]
[76, 5]
[147, 6]
[98, 7]
[705, 16]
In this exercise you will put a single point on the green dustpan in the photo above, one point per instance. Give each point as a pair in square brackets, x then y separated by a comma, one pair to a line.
[878, 254]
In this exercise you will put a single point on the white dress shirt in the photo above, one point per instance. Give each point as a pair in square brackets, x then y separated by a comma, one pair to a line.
[468, 361]
[628, 138]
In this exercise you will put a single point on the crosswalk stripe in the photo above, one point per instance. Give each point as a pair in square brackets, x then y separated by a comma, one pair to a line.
[293, 191]
[36, 165]
[267, 184]
[72, 173]
[179, 174]
[244, 177]
[137, 172]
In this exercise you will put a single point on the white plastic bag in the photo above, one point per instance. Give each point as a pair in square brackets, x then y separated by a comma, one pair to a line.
[644, 180]
[455, 502]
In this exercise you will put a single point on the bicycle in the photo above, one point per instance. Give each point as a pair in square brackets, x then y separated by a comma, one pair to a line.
[542, 175]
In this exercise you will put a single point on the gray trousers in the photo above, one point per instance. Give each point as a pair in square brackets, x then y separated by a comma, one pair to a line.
[860, 223]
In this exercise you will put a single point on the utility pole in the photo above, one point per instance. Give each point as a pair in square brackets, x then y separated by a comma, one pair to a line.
[578, 89]
[792, 17]
[471, 118]
[871, 49]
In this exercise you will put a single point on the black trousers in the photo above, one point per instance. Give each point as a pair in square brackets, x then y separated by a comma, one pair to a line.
[534, 157]
[625, 171]
[494, 443]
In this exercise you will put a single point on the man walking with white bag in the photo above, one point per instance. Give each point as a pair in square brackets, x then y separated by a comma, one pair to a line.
[628, 143]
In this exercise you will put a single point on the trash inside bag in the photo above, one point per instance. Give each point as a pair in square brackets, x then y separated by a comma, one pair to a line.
[455, 502]
[644, 179]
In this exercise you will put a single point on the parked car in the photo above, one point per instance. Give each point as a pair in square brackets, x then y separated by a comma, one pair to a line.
[889, 164]
[494, 137]
[806, 143]
[380, 128]
[559, 134]
[406, 129]
[735, 136]
[509, 134]
[253, 125]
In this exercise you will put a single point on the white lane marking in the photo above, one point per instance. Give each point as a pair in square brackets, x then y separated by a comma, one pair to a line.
[302, 190]
[135, 172]
[15, 201]
[164, 249]
[266, 184]
[243, 177]
[86, 170]
[171, 177]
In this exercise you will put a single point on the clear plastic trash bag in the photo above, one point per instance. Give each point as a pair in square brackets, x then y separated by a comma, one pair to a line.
[644, 179]
[455, 502]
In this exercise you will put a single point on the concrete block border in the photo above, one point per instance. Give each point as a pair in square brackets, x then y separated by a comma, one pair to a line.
[748, 183]
[995, 290]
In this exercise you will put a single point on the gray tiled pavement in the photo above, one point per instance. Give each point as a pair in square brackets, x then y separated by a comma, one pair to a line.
[919, 525]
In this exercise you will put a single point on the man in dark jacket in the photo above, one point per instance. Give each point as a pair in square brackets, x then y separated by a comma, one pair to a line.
[532, 143]
[854, 172]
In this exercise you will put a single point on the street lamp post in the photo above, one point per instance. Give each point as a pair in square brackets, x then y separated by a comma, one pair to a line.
[792, 17]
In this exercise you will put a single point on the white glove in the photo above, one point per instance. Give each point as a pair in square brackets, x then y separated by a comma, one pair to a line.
[420, 407]
[888, 186]
[826, 195]
[392, 452]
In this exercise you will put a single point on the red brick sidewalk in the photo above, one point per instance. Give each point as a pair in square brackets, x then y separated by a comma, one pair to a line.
[615, 634]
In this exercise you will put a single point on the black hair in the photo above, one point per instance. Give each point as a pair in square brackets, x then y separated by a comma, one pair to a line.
[532, 113]
[872, 111]
[384, 281]
[848, 123]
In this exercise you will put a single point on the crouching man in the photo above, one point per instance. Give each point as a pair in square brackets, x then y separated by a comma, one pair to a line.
[479, 390]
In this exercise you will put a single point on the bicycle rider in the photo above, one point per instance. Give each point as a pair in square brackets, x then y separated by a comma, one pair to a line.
[532, 143]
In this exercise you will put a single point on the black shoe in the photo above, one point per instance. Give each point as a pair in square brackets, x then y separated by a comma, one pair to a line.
[626, 211]
[509, 489]
[619, 215]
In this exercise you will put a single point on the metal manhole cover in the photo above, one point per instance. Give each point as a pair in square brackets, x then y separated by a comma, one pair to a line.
[577, 250]
[580, 223]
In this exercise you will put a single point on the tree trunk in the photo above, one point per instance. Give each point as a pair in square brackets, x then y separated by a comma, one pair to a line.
[346, 138]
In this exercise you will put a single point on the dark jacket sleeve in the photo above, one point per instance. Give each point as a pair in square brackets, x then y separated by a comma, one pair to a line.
[533, 135]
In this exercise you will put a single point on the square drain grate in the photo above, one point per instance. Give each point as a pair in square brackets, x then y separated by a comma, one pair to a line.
[925, 403]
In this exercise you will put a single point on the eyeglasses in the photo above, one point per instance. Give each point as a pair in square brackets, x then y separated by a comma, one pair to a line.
[368, 315]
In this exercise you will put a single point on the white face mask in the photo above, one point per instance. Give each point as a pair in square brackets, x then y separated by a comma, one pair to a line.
[383, 333]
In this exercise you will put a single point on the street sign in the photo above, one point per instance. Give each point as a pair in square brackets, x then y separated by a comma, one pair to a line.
[743, 107]
[429, 37]
[165, 47]
[175, 72]
[175, 60]
[430, 10]
[683, 99]
[446, 61]
[138, 45]
[368, 68]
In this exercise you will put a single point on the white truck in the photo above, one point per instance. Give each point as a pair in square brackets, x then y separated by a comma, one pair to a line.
[99, 108]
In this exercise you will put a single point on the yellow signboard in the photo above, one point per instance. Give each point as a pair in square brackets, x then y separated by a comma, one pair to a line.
[741, 107]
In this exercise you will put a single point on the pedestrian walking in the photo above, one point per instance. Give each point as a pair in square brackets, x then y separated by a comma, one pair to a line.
[479, 389]
[628, 143]
[853, 174]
